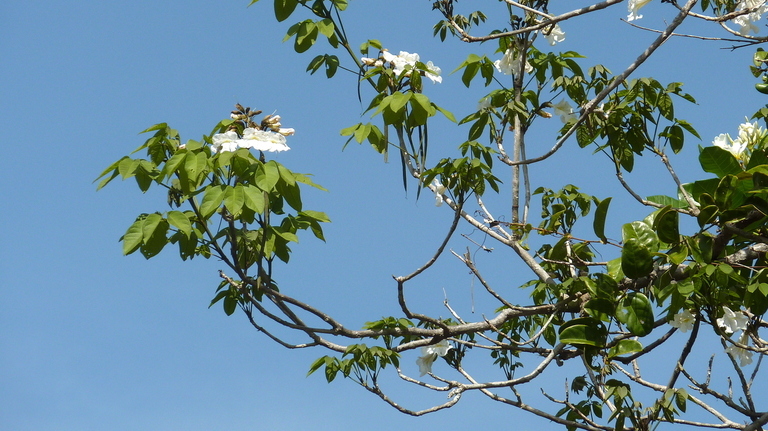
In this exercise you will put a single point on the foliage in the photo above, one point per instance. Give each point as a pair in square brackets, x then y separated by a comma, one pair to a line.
[696, 262]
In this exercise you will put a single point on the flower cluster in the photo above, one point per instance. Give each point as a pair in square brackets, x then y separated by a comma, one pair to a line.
[429, 354]
[270, 136]
[510, 63]
[747, 21]
[751, 137]
[403, 63]
[732, 322]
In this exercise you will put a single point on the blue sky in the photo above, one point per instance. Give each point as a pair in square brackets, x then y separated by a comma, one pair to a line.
[92, 340]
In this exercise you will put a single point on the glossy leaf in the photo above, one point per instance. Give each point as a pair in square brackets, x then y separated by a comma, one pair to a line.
[600, 215]
[636, 313]
[583, 331]
[636, 259]
[718, 161]
[625, 347]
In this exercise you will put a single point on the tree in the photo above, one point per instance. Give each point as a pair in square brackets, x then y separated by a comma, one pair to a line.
[694, 263]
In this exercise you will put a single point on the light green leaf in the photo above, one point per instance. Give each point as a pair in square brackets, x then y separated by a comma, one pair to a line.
[254, 199]
[234, 199]
[212, 199]
[267, 176]
[150, 224]
[625, 347]
[133, 237]
[180, 221]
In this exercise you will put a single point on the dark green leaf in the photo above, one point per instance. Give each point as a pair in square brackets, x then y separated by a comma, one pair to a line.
[636, 260]
[600, 214]
[635, 311]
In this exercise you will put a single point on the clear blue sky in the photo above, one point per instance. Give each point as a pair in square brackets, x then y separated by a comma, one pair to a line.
[92, 340]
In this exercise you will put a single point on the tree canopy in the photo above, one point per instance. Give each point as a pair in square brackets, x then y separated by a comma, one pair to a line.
[600, 301]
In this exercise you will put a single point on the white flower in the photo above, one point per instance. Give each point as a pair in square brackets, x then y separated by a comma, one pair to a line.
[747, 21]
[287, 132]
[731, 321]
[565, 111]
[683, 321]
[555, 35]
[401, 61]
[434, 73]
[743, 355]
[510, 64]
[751, 135]
[485, 103]
[737, 147]
[227, 141]
[439, 190]
[429, 354]
[263, 140]
[634, 7]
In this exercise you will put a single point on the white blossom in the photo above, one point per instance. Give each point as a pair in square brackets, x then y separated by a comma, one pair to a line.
[510, 64]
[555, 35]
[565, 111]
[483, 104]
[683, 321]
[747, 21]
[222, 142]
[634, 7]
[401, 61]
[735, 147]
[751, 135]
[439, 190]
[429, 354]
[263, 140]
[434, 73]
[743, 355]
[731, 321]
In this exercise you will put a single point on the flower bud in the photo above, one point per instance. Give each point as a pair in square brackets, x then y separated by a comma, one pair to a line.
[286, 132]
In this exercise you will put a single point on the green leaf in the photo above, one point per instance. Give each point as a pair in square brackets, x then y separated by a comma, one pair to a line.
[180, 221]
[641, 232]
[584, 331]
[254, 199]
[212, 199]
[234, 199]
[600, 214]
[173, 163]
[157, 238]
[625, 347]
[284, 9]
[718, 161]
[133, 237]
[150, 224]
[306, 36]
[636, 259]
[267, 176]
[666, 224]
[636, 313]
